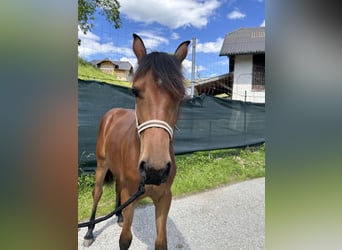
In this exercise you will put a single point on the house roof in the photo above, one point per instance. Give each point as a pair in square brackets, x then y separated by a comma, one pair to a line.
[244, 41]
[123, 65]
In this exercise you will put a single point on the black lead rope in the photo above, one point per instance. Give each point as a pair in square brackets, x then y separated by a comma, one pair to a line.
[141, 190]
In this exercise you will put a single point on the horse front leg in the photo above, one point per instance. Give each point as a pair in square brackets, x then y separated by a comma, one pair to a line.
[97, 193]
[118, 201]
[162, 206]
[126, 234]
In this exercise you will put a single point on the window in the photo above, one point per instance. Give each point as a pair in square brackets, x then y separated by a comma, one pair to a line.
[258, 83]
[231, 63]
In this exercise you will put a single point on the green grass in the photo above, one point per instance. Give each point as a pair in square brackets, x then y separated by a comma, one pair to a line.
[195, 173]
[86, 71]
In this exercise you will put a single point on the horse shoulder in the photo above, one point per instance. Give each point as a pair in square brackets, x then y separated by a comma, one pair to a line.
[115, 128]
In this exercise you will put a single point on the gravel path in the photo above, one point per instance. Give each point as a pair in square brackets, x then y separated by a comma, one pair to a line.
[230, 217]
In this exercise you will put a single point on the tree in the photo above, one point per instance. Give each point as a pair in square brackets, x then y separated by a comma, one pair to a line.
[87, 8]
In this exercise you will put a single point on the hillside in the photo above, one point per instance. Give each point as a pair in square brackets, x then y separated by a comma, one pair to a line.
[87, 71]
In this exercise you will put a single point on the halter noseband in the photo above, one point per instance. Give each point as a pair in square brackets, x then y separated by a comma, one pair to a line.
[154, 124]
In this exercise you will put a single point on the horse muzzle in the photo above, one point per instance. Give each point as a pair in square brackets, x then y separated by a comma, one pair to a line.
[152, 175]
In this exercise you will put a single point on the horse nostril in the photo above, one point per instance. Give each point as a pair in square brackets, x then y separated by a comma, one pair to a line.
[166, 172]
[143, 170]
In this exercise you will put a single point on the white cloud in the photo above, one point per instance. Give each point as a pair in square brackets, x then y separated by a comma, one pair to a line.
[200, 68]
[263, 23]
[230, 2]
[91, 45]
[89, 36]
[210, 47]
[187, 67]
[151, 40]
[223, 62]
[173, 14]
[174, 36]
[236, 14]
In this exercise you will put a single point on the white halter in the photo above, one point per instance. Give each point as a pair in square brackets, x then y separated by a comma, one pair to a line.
[153, 124]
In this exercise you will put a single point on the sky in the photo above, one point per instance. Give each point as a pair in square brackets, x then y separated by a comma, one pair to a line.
[163, 25]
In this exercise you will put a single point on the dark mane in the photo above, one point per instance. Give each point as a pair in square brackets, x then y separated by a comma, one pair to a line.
[165, 67]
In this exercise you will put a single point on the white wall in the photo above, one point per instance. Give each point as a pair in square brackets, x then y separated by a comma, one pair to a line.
[242, 86]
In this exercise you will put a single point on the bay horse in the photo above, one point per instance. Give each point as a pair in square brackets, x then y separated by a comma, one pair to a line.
[136, 145]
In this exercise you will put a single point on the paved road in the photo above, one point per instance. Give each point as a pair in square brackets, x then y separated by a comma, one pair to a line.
[230, 217]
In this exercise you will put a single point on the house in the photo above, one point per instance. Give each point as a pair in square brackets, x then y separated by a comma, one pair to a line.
[245, 49]
[121, 69]
[245, 80]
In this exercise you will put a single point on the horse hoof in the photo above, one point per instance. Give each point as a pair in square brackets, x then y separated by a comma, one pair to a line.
[120, 223]
[88, 242]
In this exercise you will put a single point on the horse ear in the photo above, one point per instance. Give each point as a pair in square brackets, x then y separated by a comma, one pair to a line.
[182, 50]
[138, 47]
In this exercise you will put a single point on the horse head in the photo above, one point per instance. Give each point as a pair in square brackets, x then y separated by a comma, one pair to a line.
[158, 87]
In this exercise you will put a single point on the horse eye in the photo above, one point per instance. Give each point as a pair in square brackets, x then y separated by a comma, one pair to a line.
[135, 92]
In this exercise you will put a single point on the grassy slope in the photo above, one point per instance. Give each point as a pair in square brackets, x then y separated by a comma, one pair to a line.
[195, 172]
[87, 71]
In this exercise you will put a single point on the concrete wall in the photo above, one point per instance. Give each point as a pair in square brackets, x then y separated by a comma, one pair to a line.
[242, 86]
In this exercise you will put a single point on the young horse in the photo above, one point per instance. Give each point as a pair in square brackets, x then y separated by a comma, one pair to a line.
[136, 145]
